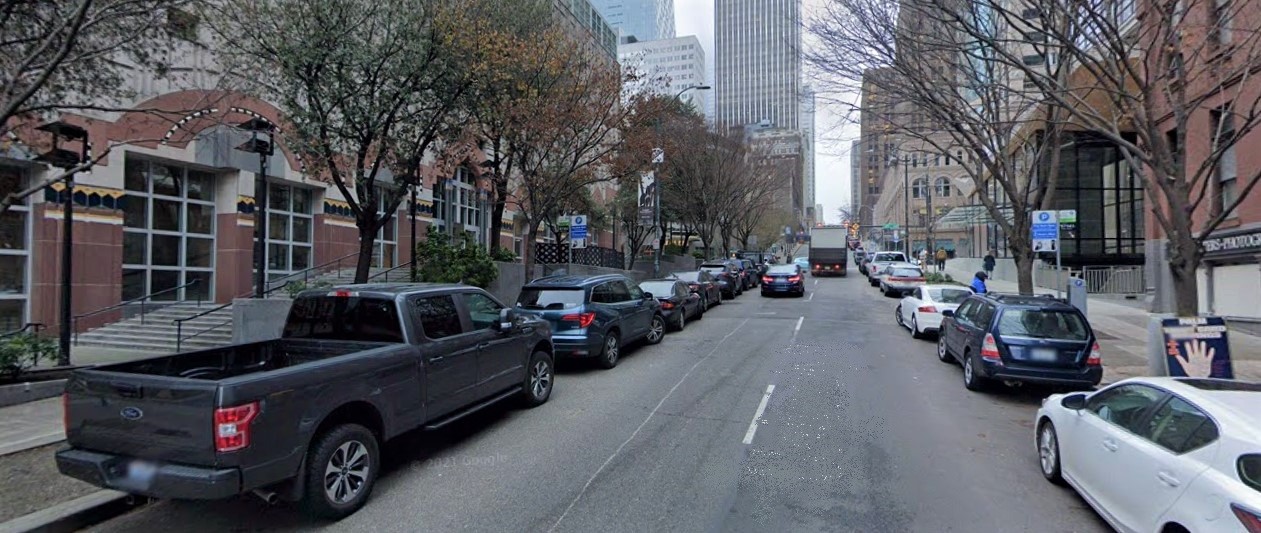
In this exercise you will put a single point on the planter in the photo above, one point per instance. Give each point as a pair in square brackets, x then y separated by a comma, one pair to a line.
[34, 385]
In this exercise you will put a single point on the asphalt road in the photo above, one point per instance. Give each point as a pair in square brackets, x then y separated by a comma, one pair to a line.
[864, 430]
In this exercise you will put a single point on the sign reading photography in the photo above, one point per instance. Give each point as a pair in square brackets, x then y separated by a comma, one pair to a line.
[1233, 243]
[1197, 347]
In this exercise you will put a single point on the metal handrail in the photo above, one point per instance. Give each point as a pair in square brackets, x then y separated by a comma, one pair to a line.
[37, 326]
[387, 272]
[141, 300]
[306, 273]
[179, 322]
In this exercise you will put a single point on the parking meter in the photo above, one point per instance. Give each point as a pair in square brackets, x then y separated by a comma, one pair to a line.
[1077, 293]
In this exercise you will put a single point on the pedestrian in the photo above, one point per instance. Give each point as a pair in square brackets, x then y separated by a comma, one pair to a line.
[978, 283]
[923, 258]
[941, 259]
[988, 263]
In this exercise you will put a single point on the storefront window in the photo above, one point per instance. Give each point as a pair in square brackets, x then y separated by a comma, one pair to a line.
[14, 254]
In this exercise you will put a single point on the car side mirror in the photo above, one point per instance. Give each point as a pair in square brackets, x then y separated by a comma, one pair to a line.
[507, 317]
[1075, 402]
[647, 295]
[947, 313]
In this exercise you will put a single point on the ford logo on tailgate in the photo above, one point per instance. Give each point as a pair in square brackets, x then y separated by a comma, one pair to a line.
[132, 413]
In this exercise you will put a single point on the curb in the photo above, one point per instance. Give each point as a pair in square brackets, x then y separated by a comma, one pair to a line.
[31, 443]
[19, 393]
[74, 514]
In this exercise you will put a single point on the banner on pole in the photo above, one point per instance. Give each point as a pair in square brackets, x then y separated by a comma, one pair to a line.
[647, 198]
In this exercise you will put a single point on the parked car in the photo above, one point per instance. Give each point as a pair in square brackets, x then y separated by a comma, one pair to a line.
[920, 311]
[784, 279]
[678, 303]
[303, 417]
[803, 263]
[594, 316]
[897, 279]
[859, 255]
[1020, 339]
[1159, 454]
[752, 273]
[728, 278]
[879, 261]
[703, 283]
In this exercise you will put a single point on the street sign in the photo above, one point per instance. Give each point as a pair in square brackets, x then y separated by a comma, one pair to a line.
[1068, 223]
[578, 227]
[1197, 347]
[658, 155]
[579, 243]
[1046, 231]
[562, 223]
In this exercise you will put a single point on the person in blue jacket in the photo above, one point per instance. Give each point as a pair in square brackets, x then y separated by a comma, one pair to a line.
[978, 283]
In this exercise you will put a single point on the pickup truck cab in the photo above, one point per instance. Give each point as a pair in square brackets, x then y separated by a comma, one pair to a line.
[302, 417]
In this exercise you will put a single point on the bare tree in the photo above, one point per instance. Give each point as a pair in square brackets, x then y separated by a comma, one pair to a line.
[944, 95]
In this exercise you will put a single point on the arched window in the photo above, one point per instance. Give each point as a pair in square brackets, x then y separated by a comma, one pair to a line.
[942, 187]
[919, 188]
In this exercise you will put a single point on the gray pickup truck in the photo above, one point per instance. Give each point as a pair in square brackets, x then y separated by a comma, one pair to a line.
[302, 418]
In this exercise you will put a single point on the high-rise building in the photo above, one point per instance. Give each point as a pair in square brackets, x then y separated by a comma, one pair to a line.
[586, 23]
[855, 179]
[645, 20]
[678, 62]
[757, 74]
[877, 142]
[807, 148]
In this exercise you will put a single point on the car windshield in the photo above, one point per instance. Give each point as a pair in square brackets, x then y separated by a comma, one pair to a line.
[1043, 324]
[782, 269]
[660, 289]
[688, 276]
[888, 257]
[539, 298]
[341, 318]
[949, 296]
[716, 269]
[907, 273]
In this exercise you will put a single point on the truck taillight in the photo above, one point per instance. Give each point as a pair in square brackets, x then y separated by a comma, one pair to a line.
[232, 427]
[1096, 357]
[583, 319]
[989, 349]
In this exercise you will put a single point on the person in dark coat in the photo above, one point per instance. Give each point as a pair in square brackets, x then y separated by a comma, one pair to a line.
[988, 263]
[978, 283]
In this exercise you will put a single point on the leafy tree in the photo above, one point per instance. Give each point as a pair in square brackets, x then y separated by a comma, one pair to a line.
[371, 88]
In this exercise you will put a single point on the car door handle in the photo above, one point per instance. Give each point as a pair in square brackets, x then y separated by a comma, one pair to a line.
[1168, 479]
[437, 358]
[483, 345]
[1111, 445]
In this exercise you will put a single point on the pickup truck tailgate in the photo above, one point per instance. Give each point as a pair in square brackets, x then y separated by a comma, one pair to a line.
[149, 417]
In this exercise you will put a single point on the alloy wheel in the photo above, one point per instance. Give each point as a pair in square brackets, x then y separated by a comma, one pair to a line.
[657, 330]
[611, 350]
[347, 472]
[1048, 450]
[540, 379]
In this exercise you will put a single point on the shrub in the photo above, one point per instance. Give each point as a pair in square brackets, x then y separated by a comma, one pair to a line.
[938, 277]
[503, 255]
[20, 352]
[294, 287]
[441, 261]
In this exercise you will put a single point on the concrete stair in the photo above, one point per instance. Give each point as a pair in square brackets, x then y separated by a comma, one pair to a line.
[157, 333]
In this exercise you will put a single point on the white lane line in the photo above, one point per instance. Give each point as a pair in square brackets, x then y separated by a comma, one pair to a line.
[647, 419]
[761, 408]
[816, 281]
[798, 328]
[811, 297]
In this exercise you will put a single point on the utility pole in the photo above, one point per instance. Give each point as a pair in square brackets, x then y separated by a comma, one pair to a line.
[906, 189]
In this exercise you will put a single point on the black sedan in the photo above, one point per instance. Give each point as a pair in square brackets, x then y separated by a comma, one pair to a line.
[783, 279]
[704, 284]
[678, 303]
[728, 278]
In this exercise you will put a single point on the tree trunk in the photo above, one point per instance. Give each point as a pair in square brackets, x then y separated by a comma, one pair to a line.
[527, 249]
[497, 214]
[1184, 262]
[1024, 271]
[367, 238]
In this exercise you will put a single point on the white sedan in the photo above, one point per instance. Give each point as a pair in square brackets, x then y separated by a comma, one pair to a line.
[920, 311]
[1159, 454]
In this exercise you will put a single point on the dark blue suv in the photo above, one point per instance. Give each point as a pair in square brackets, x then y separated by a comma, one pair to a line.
[593, 316]
[1010, 338]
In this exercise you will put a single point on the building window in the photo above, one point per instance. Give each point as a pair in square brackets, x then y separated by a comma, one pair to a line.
[1221, 22]
[385, 247]
[168, 231]
[1033, 60]
[289, 224]
[14, 253]
[1227, 172]
[942, 187]
[919, 188]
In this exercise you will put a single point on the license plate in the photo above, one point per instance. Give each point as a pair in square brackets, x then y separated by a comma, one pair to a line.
[1043, 354]
[141, 473]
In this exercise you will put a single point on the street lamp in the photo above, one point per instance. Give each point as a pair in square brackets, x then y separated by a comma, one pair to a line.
[258, 127]
[657, 160]
[66, 160]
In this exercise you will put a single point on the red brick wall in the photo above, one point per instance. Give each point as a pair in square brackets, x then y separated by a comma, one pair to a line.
[96, 266]
[334, 241]
[234, 256]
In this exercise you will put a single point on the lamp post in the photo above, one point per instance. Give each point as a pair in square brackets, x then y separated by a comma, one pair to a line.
[258, 127]
[411, 211]
[66, 160]
[657, 159]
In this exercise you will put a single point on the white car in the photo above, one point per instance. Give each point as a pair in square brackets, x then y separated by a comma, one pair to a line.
[1159, 454]
[920, 311]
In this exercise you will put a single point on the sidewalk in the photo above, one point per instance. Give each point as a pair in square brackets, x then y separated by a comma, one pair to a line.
[1122, 332]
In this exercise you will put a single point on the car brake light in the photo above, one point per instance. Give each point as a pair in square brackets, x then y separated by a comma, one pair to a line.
[989, 348]
[1250, 520]
[232, 426]
[583, 319]
[794, 279]
[65, 412]
[836, 266]
[767, 279]
[1096, 358]
[667, 304]
[927, 309]
[343, 294]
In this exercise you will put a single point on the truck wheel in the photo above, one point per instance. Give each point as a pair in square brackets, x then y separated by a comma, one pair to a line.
[341, 467]
[538, 380]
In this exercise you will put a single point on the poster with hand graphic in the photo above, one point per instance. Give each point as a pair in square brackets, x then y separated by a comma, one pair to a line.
[1197, 347]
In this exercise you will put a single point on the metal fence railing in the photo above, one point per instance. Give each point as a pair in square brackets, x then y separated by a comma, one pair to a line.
[1126, 279]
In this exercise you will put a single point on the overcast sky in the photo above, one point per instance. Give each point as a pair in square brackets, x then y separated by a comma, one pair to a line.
[696, 17]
